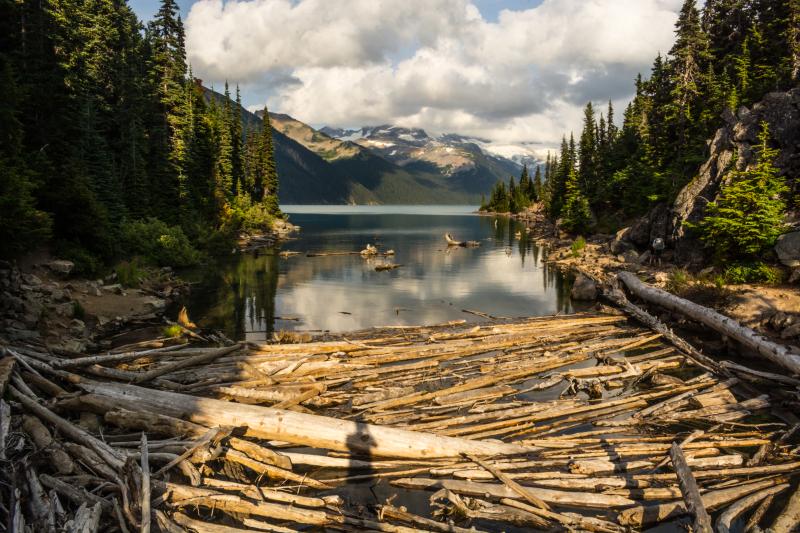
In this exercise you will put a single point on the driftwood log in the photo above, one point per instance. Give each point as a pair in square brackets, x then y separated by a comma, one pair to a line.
[301, 428]
[724, 325]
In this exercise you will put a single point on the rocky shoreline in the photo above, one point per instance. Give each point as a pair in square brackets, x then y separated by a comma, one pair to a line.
[773, 310]
[44, 304]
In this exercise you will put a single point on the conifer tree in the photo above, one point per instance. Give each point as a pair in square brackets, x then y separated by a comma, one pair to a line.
[576, 216]
[588, 167]
[536, 186]
[688, 59]
[267, 190]
[748, 213]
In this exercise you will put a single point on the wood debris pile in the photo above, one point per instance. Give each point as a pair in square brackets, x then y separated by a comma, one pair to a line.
[554, 423]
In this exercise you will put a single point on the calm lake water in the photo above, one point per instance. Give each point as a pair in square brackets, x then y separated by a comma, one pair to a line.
[251, 295]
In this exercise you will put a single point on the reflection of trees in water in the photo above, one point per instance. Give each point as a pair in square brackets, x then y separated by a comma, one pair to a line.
[552, 277]
[244, 298]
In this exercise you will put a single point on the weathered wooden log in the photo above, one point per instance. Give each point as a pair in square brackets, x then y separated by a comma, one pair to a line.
[87, 520]
[643, 515]
[726, 519]
[789, 518]
[690, 490]
[724, 325]
[557, 497]
[300, 428]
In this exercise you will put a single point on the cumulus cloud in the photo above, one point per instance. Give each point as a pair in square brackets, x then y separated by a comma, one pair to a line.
[436, 64]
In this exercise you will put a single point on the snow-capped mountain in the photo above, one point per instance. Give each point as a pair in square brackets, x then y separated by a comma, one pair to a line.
[449, 154]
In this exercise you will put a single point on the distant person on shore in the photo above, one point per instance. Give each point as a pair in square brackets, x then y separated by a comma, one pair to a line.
[657, 250]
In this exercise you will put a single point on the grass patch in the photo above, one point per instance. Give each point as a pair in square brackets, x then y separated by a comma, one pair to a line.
[78, 310]
[578, 246]
[753, 272]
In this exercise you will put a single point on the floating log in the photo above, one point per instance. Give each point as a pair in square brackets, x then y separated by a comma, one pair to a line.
[464, 244]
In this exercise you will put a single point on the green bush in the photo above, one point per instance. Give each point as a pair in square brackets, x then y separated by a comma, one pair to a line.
[86, 263]
[78, 311]
[158, 243]
[577, 246]
[130, 273]
[747, 215]
[250, 216]
[753, 272]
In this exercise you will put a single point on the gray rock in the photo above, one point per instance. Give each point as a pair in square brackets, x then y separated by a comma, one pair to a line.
[155, 304]
[66, 310]
[116, 288]
[788, 249]
[77, 327]
[645, 257]
[583, 289]
[631, 257]
[15, 334]
[794, 277]
[61, 266]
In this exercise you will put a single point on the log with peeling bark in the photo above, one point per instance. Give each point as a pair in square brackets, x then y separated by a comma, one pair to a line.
[309, 430]
[778, 354]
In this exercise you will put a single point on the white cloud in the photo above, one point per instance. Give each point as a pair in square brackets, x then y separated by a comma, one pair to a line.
[435, 64]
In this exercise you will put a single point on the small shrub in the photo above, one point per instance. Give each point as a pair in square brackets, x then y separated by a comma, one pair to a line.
[753, 272]
[86, 263]
[78, 311]
[679, 281]
[173, 330]
[577, 246]
[159, 243]
[250, 216]
[130, 273]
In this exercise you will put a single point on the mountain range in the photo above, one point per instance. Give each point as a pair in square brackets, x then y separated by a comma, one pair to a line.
[379, 165]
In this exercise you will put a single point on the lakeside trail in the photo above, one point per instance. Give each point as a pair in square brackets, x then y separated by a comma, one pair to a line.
[562, 422]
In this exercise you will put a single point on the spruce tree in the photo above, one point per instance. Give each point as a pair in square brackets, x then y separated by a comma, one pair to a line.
[747, 215]
[576, 217]
[536, 184]
[588, 167]
[269, 172]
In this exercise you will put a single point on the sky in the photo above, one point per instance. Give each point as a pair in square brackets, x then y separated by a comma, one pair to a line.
[514, 72]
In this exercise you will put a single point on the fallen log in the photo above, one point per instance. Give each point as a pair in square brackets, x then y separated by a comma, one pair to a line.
[300, 428]
[690, 490]
[724, 325]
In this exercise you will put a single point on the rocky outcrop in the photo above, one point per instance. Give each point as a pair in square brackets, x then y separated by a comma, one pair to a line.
[788, 249]
[584, 288]
[732, 148]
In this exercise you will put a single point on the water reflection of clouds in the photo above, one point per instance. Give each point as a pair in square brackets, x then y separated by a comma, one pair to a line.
[488, 280]
[245, 294]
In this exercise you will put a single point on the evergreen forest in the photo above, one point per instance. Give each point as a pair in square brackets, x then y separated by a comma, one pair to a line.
[110, 148]
[726, 55]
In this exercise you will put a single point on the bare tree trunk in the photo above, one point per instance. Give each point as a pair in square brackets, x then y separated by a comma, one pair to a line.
[776, 353]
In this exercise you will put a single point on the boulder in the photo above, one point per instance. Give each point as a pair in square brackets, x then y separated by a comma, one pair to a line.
[631, 257]
[61, 266]
[791, 332]
[788, 249]
[583, 288]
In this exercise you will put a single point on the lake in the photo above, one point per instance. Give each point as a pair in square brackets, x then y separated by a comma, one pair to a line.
[251, 295]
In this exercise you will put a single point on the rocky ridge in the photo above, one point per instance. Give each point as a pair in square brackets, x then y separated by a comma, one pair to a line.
[730, 148]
